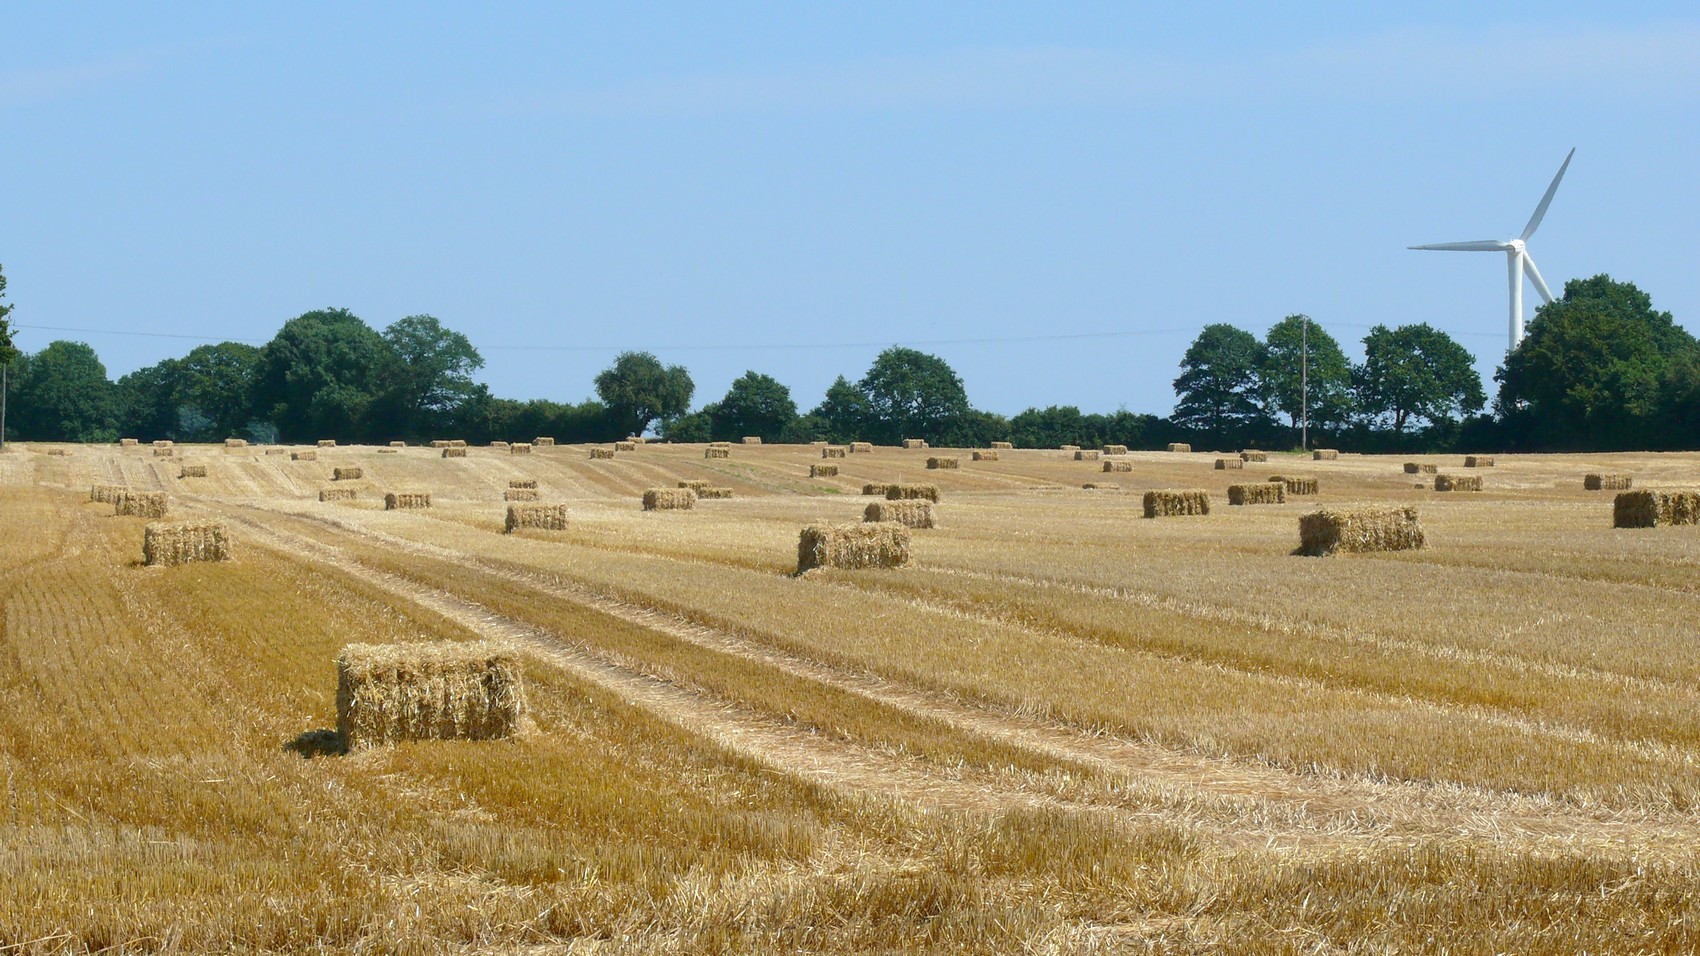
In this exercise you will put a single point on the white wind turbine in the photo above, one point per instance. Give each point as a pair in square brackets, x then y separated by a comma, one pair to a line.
[1517, 257]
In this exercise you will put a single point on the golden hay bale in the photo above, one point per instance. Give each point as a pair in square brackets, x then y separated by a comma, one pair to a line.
[911, 492]
[714, 493]
[910, 514]
[1171, 502]
[1648, 509]
[519, 448]
[338, 494]
[1359, 529]
[1115, 449]
[1110, 466]
[539, 517]
[1254, 456]
[140, 504]
[1420, 468]
[669, 499]
[327, 443]
[105, 494]
[236, 443]
[165, 452]
[625, 446]
[1478, 461]
[277, 451]
[192, 471]
[499, 444]
[1080, 455]
[985, 456]
[185, 542]
[1068, 447]
[1457, 483]
[823, 471]
[398, 444]
[522, 482]
[162, 443]
[347, 473]
[600, 453]
[752, 439]
[427, 691]
[543, 441]
[1225, 464]
[1325, 454]
[915, 443]
[451, 451]
[58, 452]
[695, 484]
[407, 500]
[861, 447]
[1179, 446]
[876, 489]
[944, 463]
[1296, 484]
[303, 456]
[865, 545]
[1003, 445]
[128, 442]
[1258, 493]
[1615, 481]
[520, 494]
[457, 443]
[713, 452]
[440, 443]
[831, 452]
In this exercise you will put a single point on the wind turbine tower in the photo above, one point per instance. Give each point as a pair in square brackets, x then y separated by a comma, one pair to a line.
[1518, 261]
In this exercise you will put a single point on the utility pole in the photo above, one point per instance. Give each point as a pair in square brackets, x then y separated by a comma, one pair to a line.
[1304, 386]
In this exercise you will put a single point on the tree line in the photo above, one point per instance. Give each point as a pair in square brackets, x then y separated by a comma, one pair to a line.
[1599, 369]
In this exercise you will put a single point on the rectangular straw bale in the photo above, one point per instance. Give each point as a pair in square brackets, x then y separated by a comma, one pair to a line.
[520, 494]
[669, 499]
[277, 451]
[445, 690]
[601, 453]
[695, 484]
[543, 441]
[910, 514]
[327, 443]
[164, 452]
[1478, 461]
[625, 446]
[1003, 445]
[1457, 483]
[882, 544]
[1258, 493]
[192, 471]
[832, 452]
[184, 542]
[1254, 456]
[398, 444]
[945, 463]
[1325, 454]
[440, 443]
[303, 456]
[105, 494]
[454, 451]
[1115, 449]
[1172, 502]
[713, 452]
[914, 443]
[539, 517]
[519, 448]
[752, 439]
[714, 493]
[347, 473]
[522, 482]
[985, 456]
[1648, 509]
[236, 443]
[1225, 464]
[823, 471]
[911, 492]
[1360, 529]
[861, 447]
[139, 504]
[58, 452]
[162, 443]
[1179, 446]
[338, 494]
[457, 443]
[1296, 484]
[128, 442]
[1420, 468]
[1083, 455]
[876, 489]
[407, 500]
[1110, 466]
[1615, 481]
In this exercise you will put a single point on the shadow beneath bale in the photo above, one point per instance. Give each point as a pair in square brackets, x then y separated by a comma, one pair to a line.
[323, 742]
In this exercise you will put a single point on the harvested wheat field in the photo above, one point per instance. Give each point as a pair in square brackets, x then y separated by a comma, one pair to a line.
[1045, 725]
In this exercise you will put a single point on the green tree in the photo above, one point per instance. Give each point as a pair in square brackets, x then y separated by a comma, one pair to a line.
[844, 411]
[912, 394]
[1590, 373]
[1283, 375]
[217, 381]
[1218, 385]
[319, 376]
[64, 395]
[1416, 371]
[756, 404]
[8, 353]
[147, 401]
[639, 390]
[432, 375]
[697, 426]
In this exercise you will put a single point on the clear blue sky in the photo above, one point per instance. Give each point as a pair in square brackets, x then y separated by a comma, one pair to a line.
[700, 179]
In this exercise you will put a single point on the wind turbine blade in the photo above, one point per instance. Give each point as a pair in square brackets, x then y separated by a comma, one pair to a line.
[1483, 245]
[1535, 277]
[1541, 210]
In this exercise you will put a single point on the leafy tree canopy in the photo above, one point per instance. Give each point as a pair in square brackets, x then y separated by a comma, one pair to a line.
[62, 394]
[1416, 371]
[1283, 373]
[8, 351]
[215, 381]
[756, 404]
[844, 412]
[639, 390]
[912, 394]
[319, 376]
[431, 375]
[1218, 388]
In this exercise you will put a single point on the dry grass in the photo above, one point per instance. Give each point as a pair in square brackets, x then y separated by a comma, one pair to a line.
[1297, 484]
[1360, 529]
[338, 494]
[823, 471]
[905, 492]
[1258, 493]
[1647, 509]
[669, 499]
[140, 504]
[1457, 483]
[1610, 481]
[388, 693]
[985, 456]
[347, 473]
[406, 500]
[936, 463]
[853, 546]
[1100, 486]
[917, 513]
[1223, 464]
[1179, 446]
[1325, 454]
[535, 517]
[1174, 503]
[1478, 461]
[1115, 466]
[185, 542]
[520, 494]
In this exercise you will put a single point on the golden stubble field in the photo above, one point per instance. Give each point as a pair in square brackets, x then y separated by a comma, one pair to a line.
[1063, 728]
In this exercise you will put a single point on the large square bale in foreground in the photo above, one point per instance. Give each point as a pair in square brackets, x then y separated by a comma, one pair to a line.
[427, 691]
[1649, 509]
[669, 499]
[1170, 503]
[184, 542]
[540, 517]
[1360, 529]
[917, 513]
[882, 544]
